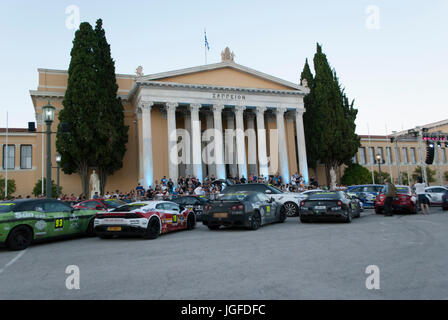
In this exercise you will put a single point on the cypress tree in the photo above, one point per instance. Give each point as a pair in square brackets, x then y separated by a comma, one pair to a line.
[112, 134]
[330, 126]
[76, 147]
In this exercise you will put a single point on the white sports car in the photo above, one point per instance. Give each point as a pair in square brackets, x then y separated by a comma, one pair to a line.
[289, 200]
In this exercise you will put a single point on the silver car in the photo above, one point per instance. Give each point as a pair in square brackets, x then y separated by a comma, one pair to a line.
[435, 194]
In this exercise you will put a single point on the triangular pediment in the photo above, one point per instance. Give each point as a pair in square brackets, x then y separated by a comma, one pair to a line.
[226, 74]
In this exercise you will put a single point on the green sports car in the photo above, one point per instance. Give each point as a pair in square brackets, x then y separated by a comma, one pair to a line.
[28, 220]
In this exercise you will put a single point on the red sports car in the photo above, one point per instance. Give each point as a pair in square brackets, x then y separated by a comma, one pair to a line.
[404, 201]
[148, 219]
[99, 204]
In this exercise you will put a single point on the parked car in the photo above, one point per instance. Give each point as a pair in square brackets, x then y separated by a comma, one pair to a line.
[445, 202]
[99, 204]
[405, 201]
[357, 200]
[243, 209]
[366, 193]
[25, 221]
[148, 219]
[329, 205]
[435, 195]
[289, 200]
[194, 203]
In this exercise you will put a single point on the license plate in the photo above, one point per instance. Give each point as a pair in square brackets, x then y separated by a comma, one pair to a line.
[114, 229]
[220, 215]
[320, 207]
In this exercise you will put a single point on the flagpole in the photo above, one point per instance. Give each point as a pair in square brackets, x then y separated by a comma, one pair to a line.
[205, 45]
[389, 162]
[371, 164]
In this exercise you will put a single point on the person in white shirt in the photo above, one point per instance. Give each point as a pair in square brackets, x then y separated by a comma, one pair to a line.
[421, 194]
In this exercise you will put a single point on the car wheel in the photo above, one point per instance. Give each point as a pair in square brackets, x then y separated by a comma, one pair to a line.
[444, 208]
[213, 227]
[255, 222]
[303, 220]
[378, 211]
[191, 222]
[90, 232]
[153, 229]
[349, 216]
[19, 238]
[282, 216]
[291, 209]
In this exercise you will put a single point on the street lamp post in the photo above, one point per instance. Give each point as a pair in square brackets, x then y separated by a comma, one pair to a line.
[379, 161]
[58, 163]
[48, 115]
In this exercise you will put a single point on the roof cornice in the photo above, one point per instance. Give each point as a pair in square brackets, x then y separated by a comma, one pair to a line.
[225, 64]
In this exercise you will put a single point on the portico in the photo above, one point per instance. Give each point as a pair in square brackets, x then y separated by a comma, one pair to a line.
[219, 122]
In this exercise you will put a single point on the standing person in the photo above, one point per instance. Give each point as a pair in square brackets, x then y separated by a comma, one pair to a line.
[390, 191]
[420, 191]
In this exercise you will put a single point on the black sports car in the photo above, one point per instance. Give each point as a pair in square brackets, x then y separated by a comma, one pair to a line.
[194, 203]
[329, 205]
[242, 209]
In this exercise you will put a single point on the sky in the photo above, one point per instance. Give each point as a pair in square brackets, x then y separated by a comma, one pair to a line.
[389, 55]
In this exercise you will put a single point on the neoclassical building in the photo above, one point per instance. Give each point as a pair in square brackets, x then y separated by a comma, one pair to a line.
[220, 120]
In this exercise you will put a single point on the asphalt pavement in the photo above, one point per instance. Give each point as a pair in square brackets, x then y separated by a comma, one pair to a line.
[280, 261]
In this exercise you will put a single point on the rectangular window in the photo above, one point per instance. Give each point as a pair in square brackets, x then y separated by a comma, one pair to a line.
[355, 159]
[389, 155]
[413, 156]
[380, 152]
[371, 155]
[26, 157]
[362, 155]
[9, 155]
[397, 155]
[405, 155]
[443, 155]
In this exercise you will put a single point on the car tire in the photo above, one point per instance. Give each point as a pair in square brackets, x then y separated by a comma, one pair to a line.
[303, 220]
[378, 211]
[153, 229]
[19, 238]
[291, 209]
[255, 222]
[191, 221]
[282, 216]
[213, 227]
[349, 216]
[90, 232]
[444, 208]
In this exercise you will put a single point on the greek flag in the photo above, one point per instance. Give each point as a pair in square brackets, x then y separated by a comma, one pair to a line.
[206, 42]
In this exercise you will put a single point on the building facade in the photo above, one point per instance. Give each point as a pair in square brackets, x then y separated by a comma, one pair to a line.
[218, 120]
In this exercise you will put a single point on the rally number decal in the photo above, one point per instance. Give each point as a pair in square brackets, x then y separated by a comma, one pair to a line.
[59, 223]
[174, 218]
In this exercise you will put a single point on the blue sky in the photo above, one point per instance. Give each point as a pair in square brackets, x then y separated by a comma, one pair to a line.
[397, 74]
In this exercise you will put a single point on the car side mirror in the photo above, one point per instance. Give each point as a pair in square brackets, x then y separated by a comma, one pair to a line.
[268, 191]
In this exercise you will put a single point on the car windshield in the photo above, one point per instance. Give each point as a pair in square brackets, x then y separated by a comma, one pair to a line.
[239, 196]
[324, 195]
[7, 207]
[113, 203]
[129, 207]
[402, 190]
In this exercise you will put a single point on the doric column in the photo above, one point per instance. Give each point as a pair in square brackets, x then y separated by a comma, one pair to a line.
[240, 143]
[252, 144]
[261, 135]
[303, 164]
[196, 141]
[172, 141]
[187, 145]
[209, 158]
[148, 174]
[282, 150]
[219, 154]
[230, 144]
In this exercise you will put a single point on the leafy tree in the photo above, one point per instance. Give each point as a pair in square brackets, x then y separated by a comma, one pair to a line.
[445, 175]
[429, 173]
[111, 133]
[356, 174]
[404, 178]
[37, 190]
[330, 125]
[383, 178]
[11, 187]
[78, 147]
